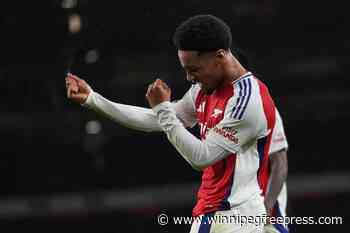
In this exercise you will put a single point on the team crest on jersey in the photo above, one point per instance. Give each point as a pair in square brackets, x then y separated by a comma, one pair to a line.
[227, 132]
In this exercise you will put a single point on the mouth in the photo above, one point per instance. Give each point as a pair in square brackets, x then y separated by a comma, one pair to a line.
[204, 88]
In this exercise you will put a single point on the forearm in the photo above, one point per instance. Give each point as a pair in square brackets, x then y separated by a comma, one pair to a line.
[278, 175]
[199, 154]
[133, 117]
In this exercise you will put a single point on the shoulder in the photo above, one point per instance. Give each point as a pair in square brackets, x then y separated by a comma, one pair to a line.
[251, 103]
[246, 97]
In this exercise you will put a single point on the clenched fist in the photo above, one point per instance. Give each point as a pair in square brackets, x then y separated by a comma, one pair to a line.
[77, 89]
[157, 93]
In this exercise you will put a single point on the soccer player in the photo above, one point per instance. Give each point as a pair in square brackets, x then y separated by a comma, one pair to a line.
[275, 188]
[234, 110]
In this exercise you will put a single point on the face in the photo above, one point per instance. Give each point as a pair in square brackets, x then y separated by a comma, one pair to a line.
[204, 69]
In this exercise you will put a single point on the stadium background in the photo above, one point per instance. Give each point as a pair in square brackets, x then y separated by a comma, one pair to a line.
[64, 168]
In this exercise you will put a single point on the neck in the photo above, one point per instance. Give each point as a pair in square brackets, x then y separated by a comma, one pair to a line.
[235, 70]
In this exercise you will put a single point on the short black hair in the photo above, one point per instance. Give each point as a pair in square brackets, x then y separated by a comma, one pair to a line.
[203, 33]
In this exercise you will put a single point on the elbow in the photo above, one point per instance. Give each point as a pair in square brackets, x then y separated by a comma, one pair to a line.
[204, 158]
[284, 171]
[200, 165]
[283, 168]
[280, 171]
[196, 168]
[279, 164]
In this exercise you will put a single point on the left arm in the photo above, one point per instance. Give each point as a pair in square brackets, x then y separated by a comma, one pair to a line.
[199, 154]
[278, 164]
[278, 175]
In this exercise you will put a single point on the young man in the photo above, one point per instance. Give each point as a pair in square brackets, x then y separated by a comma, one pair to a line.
[236, 116]
[275, 184]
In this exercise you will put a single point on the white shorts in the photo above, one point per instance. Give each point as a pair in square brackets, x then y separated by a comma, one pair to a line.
[222, 221]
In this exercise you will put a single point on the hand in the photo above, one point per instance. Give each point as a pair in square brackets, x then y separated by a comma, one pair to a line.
[268, 207]
[77, 89]
[157, 93]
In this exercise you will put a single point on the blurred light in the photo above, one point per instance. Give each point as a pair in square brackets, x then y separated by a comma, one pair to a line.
[91, 56]
[74, 23]
[93, 127]
[67, 203]
[68, 4]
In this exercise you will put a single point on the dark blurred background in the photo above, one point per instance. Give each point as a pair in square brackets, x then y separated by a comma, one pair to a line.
[65, 168]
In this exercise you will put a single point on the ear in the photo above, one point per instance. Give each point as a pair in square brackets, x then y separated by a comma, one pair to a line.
[221, 53]
[220, 56]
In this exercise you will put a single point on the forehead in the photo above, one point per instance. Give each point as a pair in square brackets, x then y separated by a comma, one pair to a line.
[194, 59]
[188, 58]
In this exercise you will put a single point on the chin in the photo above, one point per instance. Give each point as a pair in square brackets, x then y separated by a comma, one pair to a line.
[207, 91]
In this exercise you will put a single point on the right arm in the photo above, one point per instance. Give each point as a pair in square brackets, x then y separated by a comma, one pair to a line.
[133, 117]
